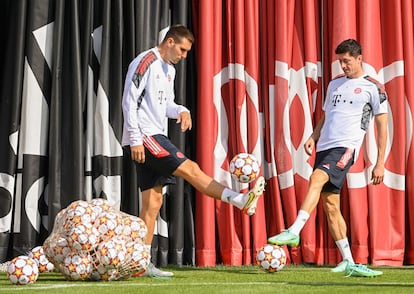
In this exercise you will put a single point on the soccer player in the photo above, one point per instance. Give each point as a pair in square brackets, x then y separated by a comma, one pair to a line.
[352, 100]
[148, 102]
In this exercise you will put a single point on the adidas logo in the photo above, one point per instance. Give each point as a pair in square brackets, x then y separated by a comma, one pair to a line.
[327, 166]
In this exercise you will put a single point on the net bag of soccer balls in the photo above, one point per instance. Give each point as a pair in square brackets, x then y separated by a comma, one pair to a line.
[94, 241]
[271, 258]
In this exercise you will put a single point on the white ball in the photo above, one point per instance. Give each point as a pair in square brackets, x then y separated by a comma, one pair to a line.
[77, 266]
[111, 252]
[22, 270]
[44, 265]
[271, 258]
[244, 167]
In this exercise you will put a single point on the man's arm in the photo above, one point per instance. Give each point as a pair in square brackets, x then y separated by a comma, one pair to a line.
[310, 143]
[381, 121]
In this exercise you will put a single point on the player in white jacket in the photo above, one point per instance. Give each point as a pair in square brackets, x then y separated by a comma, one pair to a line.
[148, 102]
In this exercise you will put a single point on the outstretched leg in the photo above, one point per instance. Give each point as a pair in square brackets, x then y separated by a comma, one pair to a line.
[291, 236]
[191, 172]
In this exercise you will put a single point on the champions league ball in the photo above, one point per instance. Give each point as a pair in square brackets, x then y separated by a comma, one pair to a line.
[77, 266]
[83, 238]
[56, 248]
[134, 228]
[271, 258]
[244, 167]
[109, 224]
[138, 257]
[42, 262]
[112, 252]
[22, 270]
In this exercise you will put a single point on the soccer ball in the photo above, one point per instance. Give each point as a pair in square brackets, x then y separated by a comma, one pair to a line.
[134, 228]
[244, 167]
[79, 212]
[77, 266]
[103, 273]
[138, 257]
[44, 265]
[111, 252]
[22, 270]
[109, 224]
[271, 258]
[56, 247]
[82, 237]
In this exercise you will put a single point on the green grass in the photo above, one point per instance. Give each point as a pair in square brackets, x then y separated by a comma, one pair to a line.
[223, 279]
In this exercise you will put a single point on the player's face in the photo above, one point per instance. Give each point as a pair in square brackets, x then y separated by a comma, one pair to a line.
[352, 66]
[178, 51]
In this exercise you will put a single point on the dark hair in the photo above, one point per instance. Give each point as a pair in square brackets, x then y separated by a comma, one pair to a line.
[350, 46]
[178, 32]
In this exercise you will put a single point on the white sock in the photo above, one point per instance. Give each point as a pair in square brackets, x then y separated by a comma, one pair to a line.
[148, 247]
[345, 249]
[299, 223]
[234, 198]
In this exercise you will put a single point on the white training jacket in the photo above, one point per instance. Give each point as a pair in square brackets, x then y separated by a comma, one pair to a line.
[148, 99]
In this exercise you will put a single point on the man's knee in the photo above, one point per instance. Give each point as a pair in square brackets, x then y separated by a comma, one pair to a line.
[187, 169]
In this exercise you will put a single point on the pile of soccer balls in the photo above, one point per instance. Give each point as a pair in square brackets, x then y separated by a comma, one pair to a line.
[89, 241]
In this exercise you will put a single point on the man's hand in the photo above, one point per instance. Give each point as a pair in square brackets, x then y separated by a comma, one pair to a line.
[309, 146]
[185, 119]
[377, 174]
[138, 153]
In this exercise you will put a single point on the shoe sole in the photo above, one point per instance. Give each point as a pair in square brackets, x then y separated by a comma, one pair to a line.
[363, 275]
[356, 273]
[254, 194]
[282, 243]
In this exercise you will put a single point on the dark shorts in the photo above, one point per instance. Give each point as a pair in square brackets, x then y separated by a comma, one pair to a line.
[162, 158]
[336, 163]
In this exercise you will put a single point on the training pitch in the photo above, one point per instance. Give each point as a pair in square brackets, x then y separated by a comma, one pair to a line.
[223, 279]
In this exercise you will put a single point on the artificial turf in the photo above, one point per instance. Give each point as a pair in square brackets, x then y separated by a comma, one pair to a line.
[226, 279]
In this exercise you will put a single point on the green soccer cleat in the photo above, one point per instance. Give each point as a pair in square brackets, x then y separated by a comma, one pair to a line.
[360, 270]
[285, 238]
[341, 267]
